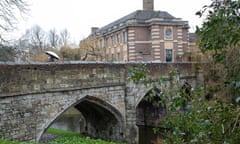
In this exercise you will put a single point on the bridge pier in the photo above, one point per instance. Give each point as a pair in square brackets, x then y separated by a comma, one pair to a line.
[132, 132]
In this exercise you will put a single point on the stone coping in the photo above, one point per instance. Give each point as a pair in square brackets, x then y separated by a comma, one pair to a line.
[92, 62]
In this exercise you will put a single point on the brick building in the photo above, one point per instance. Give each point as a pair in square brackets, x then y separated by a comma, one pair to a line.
[143, 35]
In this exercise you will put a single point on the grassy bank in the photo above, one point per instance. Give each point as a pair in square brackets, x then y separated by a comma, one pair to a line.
[66, 137]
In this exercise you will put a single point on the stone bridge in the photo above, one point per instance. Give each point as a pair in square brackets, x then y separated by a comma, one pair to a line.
[33, 95]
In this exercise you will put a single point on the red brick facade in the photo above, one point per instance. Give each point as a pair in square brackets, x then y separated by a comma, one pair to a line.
[145, 35]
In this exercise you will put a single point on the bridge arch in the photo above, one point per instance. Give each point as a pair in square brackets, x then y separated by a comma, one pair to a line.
[148, 110]
[142, 90]
[102, 118]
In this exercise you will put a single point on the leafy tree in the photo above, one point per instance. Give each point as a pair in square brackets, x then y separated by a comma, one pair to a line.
[219, 38]
[221, 29]
[190, 117]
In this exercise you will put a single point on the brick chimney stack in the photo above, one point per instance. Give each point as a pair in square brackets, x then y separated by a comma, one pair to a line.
[94, 29]
[148, 4]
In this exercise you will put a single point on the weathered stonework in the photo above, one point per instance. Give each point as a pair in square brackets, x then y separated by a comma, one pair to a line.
[33, 95]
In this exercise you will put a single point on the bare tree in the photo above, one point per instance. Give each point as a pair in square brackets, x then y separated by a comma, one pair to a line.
[9, 11]
[36, 37]
[53, 38]
[65, 35]
[32, 43]
[90, 50]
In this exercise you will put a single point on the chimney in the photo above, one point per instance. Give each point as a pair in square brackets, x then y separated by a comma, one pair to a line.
[94, 30]
[148, 5]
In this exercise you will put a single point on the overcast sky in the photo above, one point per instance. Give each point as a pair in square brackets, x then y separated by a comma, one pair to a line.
[78, 16]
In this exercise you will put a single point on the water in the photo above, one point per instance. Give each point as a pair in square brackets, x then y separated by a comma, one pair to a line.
[146, 135]
[71, 122]
[68, 122]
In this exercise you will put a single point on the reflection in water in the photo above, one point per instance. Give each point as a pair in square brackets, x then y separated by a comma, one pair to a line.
[68, 122]
[72, 123]
[146, 135]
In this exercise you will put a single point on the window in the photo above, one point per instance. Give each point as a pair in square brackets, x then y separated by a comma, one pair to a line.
[168, 33]
[168, 55]
[125, 37]
[112, 39]
[106, 42]
[118, 38]
[101, 43]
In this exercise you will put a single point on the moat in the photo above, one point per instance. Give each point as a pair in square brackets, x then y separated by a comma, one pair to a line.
[71, 121]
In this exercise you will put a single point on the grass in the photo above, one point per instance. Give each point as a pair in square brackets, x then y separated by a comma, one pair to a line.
[79, 140]
[2, 141]
[62, 132]
[67, 137]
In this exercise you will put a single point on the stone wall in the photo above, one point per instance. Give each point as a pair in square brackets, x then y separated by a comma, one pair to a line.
[27, 117]
[39, 77]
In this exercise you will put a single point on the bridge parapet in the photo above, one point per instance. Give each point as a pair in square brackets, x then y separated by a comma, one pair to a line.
[22, 78]
[41, 77]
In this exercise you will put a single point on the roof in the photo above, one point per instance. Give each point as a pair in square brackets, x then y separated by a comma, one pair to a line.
[142, 17]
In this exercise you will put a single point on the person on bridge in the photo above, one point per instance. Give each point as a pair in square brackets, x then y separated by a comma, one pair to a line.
[52, 56]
